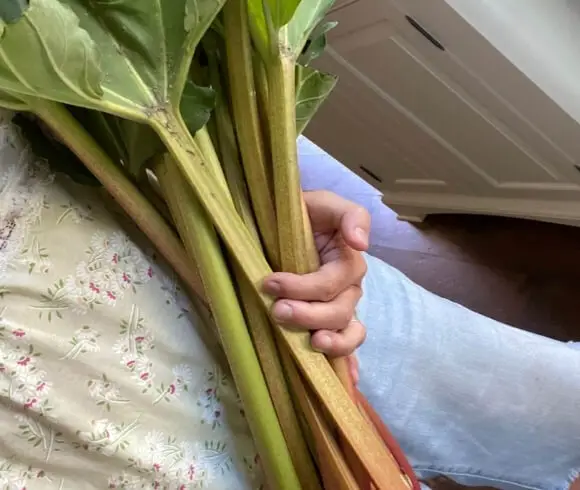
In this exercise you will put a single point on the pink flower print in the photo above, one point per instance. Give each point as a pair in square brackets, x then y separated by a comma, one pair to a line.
[150, 271]
[115, 259]
[156, 467]
[130, 364]
[24, 361]
[183, 377]
[42, 387]
[126, 279]
[144, 376]
[191, 473]
[143, 365]
[94, 288]
[18, 333]
[31, 403]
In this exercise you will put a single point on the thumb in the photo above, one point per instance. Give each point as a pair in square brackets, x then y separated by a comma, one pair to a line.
[355, 228]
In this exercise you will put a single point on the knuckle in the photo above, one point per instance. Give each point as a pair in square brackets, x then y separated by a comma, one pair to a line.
[328, 290]
[343, 317]
[304, 316]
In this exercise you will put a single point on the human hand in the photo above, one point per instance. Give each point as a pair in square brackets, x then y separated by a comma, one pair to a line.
[324, 301]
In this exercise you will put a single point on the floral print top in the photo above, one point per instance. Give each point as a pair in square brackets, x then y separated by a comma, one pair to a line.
[108, 380]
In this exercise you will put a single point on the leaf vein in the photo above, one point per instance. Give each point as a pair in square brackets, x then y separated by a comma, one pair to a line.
[59, 73]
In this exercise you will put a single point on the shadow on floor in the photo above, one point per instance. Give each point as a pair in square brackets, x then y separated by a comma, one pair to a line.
[519, 272]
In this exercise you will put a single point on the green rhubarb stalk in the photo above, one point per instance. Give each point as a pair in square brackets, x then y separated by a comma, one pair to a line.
[282, 123]
[238, 239]
[205, 145]
[203, 245]
[262, 92]
[230, 158]
[258, 321]
[68, 129]
[268, 354]
[247, 122]
[150, 193]
[298, 252]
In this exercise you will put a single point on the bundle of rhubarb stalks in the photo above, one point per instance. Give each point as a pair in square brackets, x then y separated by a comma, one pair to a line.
[187, 113]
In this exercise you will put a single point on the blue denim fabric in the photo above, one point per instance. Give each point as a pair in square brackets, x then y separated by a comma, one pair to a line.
[467, 396]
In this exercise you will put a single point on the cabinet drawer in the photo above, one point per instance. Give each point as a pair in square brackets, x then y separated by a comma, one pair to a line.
[380, 142]
[487, 142]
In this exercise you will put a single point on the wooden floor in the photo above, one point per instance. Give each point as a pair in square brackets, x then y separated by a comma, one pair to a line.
[523, 273]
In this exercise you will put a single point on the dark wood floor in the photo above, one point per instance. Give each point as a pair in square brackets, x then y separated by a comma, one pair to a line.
[523, 273]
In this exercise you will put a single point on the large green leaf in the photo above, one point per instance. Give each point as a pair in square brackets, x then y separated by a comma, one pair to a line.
[126, 57]
[312, 89]
[61, 60]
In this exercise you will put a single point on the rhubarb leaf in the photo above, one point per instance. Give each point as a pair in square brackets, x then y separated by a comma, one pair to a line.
[280, 26]
[197, 103]
[316, 43]
[119, 56]
[267, 17]
[132, 144]
[312, 89]
[10, 101]
[281, 11]
[305, 21]
[61, 59]
[128, 143]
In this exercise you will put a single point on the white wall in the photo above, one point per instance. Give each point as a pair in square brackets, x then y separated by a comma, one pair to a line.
[541, 37]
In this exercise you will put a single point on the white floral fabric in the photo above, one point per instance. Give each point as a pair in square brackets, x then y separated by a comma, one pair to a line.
[107, 379]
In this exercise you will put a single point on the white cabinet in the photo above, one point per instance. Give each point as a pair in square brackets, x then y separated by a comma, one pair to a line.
[441, 120]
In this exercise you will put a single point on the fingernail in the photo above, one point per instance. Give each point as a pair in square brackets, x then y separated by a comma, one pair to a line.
[272, 287]
[323, 343]
[283, 311]
[362, 235]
